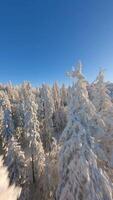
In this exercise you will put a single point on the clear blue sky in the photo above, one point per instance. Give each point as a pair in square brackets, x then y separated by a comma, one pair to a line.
[41, 39]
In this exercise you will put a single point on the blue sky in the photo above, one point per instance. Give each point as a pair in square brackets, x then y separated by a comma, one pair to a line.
[41, 39]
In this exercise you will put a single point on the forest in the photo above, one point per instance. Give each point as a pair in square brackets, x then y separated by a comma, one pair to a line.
[56, 142]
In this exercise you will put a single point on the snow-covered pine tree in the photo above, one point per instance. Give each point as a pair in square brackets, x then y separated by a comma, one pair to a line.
[40, 111]
[64, 95]
[59, 121]
[48, 109]
[91, 120]
[6, 191]
[69, 93]
[60, 114]
[16, 163]
[1, 128]
[56, 96]
[8, 125]
[1, 120]
[17, 109]
[51, 171]
[10, 90]
[98, 93]
[79, 175]
[18, 115]
[102, 101]
[34, 149]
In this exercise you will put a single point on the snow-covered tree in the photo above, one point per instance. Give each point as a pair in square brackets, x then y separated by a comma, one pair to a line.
[1, 120]
[77, 166]
[51, 171]
[56, 96]
[79, 175]
[18, 114]
[16, 163]
[98, 93]
[34, 149]
[60, 111]
[48, 109]
[109, 86]
[6, 191]
[64, 95]
[102, 101]
[8, 125]
[15, 160]
[1, 128]
[59, 120]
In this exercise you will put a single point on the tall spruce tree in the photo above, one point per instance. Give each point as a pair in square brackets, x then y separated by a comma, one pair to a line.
[34, 148]
[80, 177]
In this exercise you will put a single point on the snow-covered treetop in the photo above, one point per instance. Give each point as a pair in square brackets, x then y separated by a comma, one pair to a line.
[76, 72]
[100, 77]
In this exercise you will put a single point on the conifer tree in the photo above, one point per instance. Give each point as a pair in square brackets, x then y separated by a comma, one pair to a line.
[16, 163]
[64, 96]
[56, 96]
[48, 109]
[34, 148]
[80, 177]
[8, 124]
[102, 101]
[6, 191]
[51, 171]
